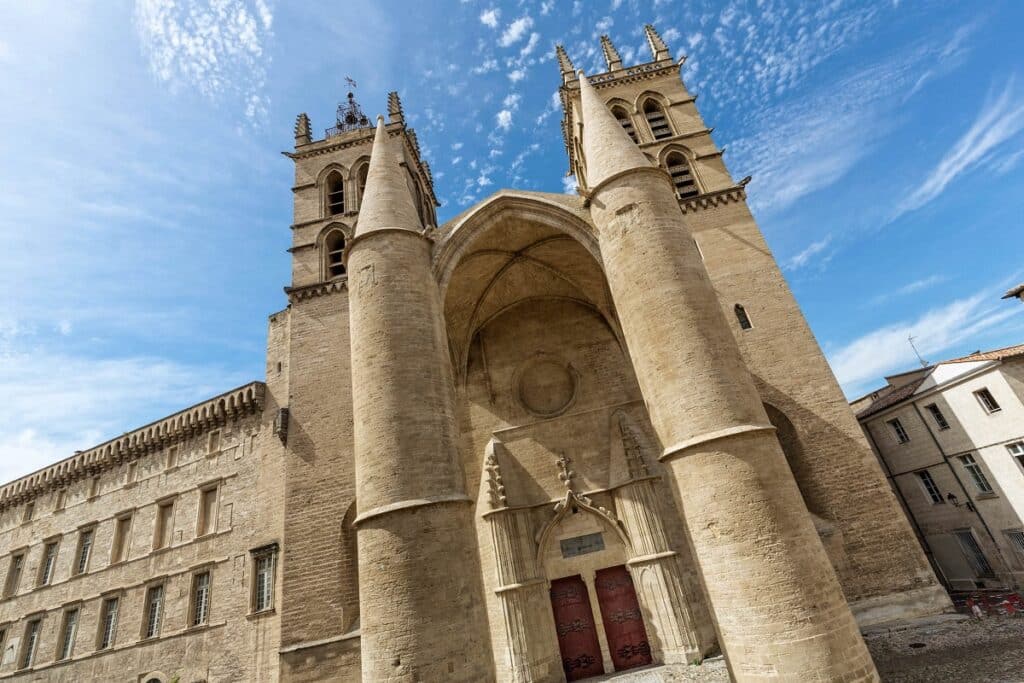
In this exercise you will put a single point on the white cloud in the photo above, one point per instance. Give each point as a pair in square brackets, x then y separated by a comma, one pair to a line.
[486, 66]
[489, 17]
[909, 288]
[218, 49]
[868, 358]
[516, 75]
[694, 39]
[531, 44]
[456, 146]
[603, 24]
[998, 122]
[546, 7]
[515, 31]
[670, 36]
[511, 101]
[569, 184]
[504, 119]
[804, 257]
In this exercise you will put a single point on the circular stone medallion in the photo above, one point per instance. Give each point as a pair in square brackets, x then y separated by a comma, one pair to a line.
[546, 386]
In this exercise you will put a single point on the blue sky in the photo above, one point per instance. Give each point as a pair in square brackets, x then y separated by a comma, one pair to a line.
[144, 205]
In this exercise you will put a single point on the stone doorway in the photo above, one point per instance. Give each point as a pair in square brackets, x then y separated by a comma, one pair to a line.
[623, 621]
[577, 632]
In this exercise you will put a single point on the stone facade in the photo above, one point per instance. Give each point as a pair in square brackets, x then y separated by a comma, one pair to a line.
[555, 436]
[955, 459]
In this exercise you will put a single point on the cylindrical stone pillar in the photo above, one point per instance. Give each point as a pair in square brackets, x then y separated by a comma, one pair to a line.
[779, 609]
[420, 594]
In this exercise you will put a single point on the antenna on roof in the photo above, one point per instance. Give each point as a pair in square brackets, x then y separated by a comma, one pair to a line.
[922, 361]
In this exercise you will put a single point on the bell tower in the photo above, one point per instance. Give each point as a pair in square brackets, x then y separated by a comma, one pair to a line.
[719, 345]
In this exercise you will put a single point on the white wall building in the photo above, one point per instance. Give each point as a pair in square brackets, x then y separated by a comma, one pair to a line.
[951, 440]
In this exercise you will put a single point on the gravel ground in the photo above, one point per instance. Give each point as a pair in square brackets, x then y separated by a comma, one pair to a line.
[949, 649]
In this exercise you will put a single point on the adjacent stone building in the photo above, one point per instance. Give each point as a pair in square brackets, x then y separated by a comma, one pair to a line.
[950, 437]
[555, 436]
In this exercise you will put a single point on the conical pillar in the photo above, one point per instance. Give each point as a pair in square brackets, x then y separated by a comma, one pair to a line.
[420, 599]
[779, 609]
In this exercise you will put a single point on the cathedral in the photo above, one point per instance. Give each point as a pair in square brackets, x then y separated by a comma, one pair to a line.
[555, 437]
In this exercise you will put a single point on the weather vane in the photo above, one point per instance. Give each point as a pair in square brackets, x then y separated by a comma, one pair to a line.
[350, 82]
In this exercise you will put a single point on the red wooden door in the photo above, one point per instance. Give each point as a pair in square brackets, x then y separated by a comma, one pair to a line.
[623, 621]
[577, 634]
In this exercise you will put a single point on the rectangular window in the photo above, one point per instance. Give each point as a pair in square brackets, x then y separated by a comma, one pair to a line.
[14, 574]
[164, 529]
[154, 611]
[200, 598]
[987, 400]
[108, 623]
[69, 629]
[30, 511]
[132, 474]
[898, 431]
[28, 648]
[1016, 537]
[929, 486]
[122, 539]
[977, 474]
[60, 499]
[213, 444]
[263, 561]
[940, 419]
[94, 487]
[85, 539]
[1017, 452]
[172, 457]
[48, 563]
[207, 522]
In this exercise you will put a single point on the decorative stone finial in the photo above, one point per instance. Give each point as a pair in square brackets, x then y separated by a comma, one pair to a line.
[611, 55]
[565, 64]
[395, 112]
[495, 486]
[564, 473]
[387, 199]
[659, 50]
[303, 136]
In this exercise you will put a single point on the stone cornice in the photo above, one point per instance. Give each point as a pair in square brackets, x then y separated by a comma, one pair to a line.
[200, 418]
[296, 294]
[736, 193]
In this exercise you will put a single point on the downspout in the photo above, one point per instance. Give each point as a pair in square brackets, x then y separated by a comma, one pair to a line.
[976, 509]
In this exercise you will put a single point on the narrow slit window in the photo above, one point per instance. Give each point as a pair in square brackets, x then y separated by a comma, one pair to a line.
[626, 122]
[656, 120]
[164, 525]
[207, 522]
[120, 546]
[741, 315]
[335, 189]
[682, 176]
[334, 255]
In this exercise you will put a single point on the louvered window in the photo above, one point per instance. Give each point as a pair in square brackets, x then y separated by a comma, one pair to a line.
[656, 120]
[335, 194]
[682, 177]
[334, 255]
[626, 122]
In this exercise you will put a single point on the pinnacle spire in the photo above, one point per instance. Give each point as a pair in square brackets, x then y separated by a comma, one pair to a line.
[303, 136]
[565, 64]
[606, 145]
[659, 50]
[387, 201]
[611, 55]
[395, 113]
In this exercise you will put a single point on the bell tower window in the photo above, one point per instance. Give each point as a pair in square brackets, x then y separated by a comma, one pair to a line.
[361, 181]
[626, 122]
[335, 189]
[682, 176]
[656, 120]
[334, 253]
